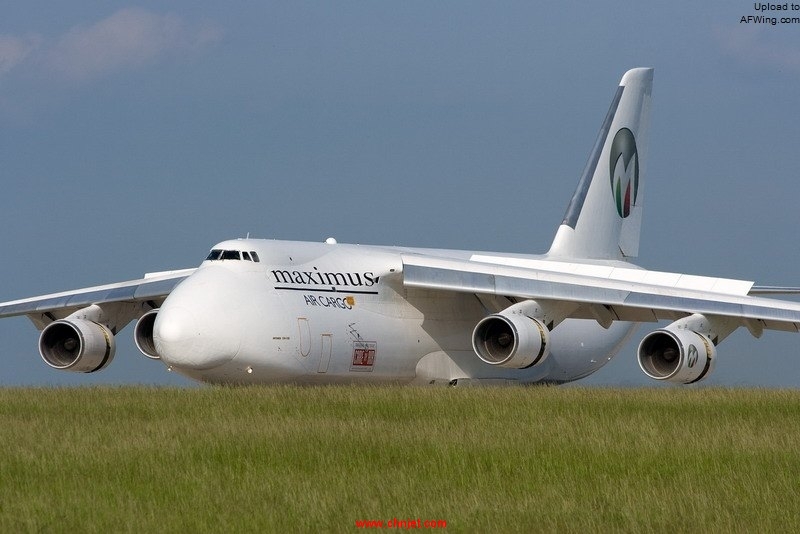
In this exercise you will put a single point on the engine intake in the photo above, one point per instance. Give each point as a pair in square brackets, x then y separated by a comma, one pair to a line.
[682, 356]
[77, 345]
[143, 335]
[511, 340]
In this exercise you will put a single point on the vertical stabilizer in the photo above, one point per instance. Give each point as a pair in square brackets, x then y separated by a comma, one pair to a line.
[604, 217]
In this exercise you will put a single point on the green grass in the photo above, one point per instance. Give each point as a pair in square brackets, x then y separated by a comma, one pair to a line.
[318, 459]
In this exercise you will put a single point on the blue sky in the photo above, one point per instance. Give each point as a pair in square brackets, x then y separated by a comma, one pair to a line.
[135, 136]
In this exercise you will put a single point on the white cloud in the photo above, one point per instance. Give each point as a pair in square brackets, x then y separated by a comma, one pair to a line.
[762, 46]
[127, 39]
[14, 50]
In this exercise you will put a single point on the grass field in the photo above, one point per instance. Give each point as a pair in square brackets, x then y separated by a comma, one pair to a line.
[320, 459]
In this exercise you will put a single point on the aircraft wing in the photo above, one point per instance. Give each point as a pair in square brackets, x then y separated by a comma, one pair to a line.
[774, 290]
[604, 293]
[154, 286]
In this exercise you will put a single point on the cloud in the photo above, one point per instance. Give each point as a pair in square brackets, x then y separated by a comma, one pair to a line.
[762, 47]
[14, 50]
[127, 39]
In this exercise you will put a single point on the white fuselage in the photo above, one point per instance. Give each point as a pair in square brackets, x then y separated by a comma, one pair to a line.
[332, 313]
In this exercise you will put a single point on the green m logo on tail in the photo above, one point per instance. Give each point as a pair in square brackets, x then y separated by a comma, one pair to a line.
[624, 170]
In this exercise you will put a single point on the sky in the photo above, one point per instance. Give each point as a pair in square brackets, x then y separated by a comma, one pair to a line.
[133, 137]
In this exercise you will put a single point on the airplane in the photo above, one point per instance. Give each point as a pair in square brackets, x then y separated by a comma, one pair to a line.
[259, 311]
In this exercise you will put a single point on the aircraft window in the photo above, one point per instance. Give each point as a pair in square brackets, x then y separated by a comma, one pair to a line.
[219, 254]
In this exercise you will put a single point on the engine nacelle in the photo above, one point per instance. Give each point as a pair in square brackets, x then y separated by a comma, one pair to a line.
[682, 356]
[511, 340]
[143, 335]
[77, 345]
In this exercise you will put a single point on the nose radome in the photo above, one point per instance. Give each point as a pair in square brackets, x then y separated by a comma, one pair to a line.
[193, 340]
[175, 325]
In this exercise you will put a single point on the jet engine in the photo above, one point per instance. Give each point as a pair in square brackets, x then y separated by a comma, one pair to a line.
[143, 335]
[511, 340]
[677, 355]
[77, 345]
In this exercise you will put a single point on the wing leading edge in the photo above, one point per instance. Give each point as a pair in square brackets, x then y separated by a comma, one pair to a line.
[153, 286]
[626, 297]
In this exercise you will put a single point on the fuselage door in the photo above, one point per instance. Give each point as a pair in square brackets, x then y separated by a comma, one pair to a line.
[325, 353]
[305, 336]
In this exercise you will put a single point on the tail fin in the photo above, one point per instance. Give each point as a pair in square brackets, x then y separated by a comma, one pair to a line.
[604, 217]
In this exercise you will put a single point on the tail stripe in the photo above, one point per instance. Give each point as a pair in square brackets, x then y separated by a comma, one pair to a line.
[576, 204]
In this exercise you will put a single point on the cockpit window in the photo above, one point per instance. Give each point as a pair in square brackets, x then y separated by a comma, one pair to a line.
[219, 254]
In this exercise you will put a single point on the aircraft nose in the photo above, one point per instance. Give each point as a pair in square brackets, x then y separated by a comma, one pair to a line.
[193, 329]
